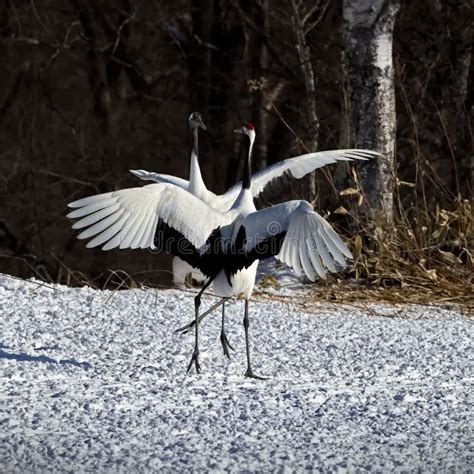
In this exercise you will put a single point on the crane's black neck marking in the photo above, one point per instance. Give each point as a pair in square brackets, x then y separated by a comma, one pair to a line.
[193, 136]
[246, 179]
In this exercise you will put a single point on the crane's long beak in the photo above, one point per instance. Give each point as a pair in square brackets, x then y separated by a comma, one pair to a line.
[238, 130]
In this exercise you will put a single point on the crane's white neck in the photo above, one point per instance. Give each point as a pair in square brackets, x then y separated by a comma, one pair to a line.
[244, 202]
[196, 183]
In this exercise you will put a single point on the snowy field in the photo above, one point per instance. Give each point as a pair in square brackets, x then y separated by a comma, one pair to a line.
[95, 381]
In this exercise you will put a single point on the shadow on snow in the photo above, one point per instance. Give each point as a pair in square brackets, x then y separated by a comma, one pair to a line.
[22, 357]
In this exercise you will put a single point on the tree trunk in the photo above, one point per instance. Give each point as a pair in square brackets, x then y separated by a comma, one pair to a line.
[368, 36]
[304, 56]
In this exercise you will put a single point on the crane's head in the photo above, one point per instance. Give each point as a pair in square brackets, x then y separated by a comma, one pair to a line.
[195, 121]
[247, 129]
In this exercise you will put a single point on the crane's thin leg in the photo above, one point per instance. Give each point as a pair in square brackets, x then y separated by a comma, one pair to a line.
[249, 372]
[224, 341]
[185, 329]
[197, 304]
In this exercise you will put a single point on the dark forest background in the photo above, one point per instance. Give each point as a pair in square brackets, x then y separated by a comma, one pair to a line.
[91, 89]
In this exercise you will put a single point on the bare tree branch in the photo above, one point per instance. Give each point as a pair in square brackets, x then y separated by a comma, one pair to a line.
[125, 22]
[256, 29]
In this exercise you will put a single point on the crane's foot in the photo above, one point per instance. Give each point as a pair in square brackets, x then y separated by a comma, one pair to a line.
[251, 375]
[194, 360]
[225, 344]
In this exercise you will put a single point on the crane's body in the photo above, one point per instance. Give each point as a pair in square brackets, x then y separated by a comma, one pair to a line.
[243, 280]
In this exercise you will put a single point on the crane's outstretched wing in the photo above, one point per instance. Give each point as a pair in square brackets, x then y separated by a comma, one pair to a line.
[295, 235]
[144, 217]
[161, 178]
[215, 201]
[273, 177]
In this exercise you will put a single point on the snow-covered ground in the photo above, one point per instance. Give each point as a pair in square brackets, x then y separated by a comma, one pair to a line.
[95, 381]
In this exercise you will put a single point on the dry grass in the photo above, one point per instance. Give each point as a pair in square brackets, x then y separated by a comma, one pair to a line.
[421, 258]
[420, 293]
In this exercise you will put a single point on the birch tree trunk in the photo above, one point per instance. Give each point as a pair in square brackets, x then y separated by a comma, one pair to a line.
[368, 36]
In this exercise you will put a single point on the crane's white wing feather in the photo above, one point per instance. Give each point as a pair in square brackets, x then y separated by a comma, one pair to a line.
[161, 178]
[215, 201]
[297, 236]
[296, 168]
[128, 218]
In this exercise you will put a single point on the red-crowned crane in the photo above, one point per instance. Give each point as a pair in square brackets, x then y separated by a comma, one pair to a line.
[224, 245]
[269, 178]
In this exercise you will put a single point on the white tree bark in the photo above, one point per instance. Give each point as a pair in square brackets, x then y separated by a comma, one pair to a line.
[368, 35]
